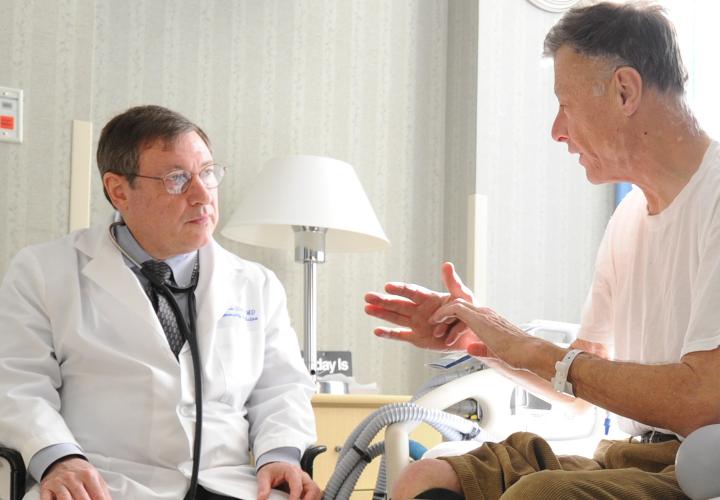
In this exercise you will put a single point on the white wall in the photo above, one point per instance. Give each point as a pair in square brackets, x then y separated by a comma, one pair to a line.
[47, 51]
[428, 99]
[696, 25]
[545, 220]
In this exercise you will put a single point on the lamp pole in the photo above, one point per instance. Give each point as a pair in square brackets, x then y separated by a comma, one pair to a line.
[310, 251]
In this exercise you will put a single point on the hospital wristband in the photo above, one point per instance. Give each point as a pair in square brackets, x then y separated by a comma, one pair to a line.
[562, 368]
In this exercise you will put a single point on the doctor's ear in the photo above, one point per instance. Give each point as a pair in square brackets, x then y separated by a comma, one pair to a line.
[629, 87]
[116, 188]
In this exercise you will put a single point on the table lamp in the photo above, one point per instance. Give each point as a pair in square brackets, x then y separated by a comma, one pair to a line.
[312, 204]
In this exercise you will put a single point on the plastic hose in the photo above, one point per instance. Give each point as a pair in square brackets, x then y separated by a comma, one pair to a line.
[356, 452]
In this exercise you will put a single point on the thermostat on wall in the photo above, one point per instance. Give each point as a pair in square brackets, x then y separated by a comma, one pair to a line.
[11, 106]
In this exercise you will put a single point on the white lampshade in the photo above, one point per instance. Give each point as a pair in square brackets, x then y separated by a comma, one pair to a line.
[306, 191]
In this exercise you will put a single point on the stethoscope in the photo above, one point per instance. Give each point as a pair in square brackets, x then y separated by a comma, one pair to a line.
[190, 334]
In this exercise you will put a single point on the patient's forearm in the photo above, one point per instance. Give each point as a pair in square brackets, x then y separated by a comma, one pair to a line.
[539, 387]
[678, 396]
[542, 387]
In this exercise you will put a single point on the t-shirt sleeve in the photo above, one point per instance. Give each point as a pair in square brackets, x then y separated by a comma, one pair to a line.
[596, 318]
[703, 333]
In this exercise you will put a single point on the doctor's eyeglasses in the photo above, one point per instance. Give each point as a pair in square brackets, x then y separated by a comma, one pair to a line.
[178, 181]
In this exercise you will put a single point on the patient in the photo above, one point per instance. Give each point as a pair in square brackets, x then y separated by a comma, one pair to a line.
[97, 362]
[648, 346]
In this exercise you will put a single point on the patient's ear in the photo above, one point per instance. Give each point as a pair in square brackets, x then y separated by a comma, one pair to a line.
[116, 188]
[629, 87]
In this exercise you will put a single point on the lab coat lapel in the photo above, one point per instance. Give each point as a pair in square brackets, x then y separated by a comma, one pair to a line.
[108, 270]
[217, 288]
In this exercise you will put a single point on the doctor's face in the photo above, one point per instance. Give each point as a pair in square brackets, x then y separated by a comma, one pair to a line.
[170, 224]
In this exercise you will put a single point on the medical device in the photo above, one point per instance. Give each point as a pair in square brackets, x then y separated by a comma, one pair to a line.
[358, 451]
[188, 332]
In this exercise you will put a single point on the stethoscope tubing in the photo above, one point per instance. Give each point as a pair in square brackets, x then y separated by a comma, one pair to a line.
[190, 334]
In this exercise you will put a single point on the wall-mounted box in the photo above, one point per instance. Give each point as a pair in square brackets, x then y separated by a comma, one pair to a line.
[11, 115]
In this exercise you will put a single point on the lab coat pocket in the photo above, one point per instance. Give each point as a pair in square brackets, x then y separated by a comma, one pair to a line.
[238, 347]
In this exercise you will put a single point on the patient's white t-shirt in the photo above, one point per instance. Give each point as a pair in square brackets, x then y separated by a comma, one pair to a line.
[656, 290]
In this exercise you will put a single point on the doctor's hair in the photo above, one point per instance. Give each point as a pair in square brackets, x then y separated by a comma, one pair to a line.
[638, 35]
[123, 138]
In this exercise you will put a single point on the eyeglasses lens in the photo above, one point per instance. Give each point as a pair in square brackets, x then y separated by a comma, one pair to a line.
[178, 182]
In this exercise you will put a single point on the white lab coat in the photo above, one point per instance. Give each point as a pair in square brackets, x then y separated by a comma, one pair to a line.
[83, 359]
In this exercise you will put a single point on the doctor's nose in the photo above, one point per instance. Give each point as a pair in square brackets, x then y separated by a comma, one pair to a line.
[198, 193]
[559, 127]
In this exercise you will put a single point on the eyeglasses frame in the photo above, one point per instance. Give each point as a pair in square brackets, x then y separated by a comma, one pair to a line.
[186, 186]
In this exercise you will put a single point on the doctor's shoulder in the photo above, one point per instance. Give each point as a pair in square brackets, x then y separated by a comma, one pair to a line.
[256, 273]
[35, 268]
[54, 253]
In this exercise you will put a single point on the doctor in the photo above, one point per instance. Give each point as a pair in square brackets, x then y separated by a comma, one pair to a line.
[98, 392]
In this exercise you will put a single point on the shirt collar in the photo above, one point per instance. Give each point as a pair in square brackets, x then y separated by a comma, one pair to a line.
[182, 265]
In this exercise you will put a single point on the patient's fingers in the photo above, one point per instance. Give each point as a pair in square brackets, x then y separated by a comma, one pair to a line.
[450, 313]
[478, 349]
[416, 293]
[457, 330]
[392, 302]
[454, 284]
[440, 330]
[402, 334]
[385, 315]
[454, 333]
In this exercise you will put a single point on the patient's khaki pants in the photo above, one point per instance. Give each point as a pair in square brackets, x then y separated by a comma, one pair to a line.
[524, 467]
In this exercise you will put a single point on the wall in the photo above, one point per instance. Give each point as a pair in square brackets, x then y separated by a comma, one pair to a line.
[428, 100]
[461, 127]
[545, 220]
[47, 49]
[695, 22]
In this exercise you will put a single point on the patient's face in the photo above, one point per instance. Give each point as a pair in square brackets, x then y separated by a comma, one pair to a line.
[587, 117]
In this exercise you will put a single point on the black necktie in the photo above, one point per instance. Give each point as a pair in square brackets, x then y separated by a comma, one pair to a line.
[163, 274]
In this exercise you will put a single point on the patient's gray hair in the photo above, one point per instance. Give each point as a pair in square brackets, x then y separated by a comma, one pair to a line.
[638, 35]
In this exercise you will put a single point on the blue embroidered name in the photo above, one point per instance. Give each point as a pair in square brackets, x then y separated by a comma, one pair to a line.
[237, 312]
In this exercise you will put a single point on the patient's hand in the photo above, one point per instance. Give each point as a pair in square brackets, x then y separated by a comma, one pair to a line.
[73, 478]
[411, 306]
[289, 478]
